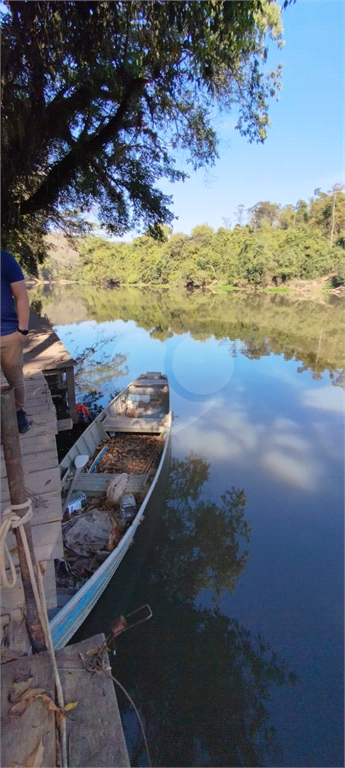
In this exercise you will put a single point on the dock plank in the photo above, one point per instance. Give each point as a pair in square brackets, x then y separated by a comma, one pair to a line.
[94, 729]
[20, 736]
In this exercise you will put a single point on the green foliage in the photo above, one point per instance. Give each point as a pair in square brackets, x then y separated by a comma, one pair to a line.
[277, 246]
[97, 98]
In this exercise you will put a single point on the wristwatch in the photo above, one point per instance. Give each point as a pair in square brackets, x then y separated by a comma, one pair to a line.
[25, 333]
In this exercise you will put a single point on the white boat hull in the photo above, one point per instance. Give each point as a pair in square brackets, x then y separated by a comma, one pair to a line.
[66, 622]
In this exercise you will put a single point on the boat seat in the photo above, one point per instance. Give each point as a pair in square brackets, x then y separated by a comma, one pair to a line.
[95, 483]
[131, 424]
[149, 383]
[147, 390]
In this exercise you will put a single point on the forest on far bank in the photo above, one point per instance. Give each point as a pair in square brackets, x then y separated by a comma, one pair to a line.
[273, 246]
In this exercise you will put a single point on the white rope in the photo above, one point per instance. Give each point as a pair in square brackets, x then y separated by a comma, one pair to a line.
[9, 520]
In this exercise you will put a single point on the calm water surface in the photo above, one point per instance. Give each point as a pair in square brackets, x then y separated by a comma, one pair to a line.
[242, 662]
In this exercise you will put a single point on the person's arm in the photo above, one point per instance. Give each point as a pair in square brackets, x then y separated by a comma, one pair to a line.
[22, 303]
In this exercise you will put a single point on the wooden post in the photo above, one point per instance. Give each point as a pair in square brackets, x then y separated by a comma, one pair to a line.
[71, 394]
[18, 495]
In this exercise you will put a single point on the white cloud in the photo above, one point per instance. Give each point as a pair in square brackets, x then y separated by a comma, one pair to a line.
[300, 474]
[327, 399]
[282, 423]
[291, 441]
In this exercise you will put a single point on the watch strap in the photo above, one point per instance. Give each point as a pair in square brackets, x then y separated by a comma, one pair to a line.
[24, 333]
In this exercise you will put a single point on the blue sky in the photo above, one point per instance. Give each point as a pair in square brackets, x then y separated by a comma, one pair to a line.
[304, 148]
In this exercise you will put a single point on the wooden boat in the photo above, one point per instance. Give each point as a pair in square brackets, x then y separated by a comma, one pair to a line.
[142, 408]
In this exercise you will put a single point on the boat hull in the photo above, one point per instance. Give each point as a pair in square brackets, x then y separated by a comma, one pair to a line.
[68, 620]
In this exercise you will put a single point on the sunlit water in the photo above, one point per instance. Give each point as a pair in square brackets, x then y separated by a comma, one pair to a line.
[256, 395]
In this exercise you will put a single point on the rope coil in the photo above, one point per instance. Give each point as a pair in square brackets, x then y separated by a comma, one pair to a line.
[9, 520]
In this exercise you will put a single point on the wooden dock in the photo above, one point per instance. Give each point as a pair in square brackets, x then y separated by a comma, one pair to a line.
[94, 731]
[42, 481]
[43, 353]
[28, 734]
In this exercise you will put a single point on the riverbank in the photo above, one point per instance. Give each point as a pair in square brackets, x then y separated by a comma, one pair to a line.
[310, 289]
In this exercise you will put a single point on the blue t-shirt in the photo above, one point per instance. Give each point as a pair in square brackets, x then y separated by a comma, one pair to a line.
[10, 273]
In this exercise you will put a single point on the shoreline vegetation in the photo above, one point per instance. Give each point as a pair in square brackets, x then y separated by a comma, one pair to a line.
[297, 249]
[297, 326]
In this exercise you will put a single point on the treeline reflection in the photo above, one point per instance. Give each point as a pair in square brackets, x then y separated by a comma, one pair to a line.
[201, 680]
[310, 332]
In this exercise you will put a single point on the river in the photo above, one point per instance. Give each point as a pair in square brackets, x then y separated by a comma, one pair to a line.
[242, 662]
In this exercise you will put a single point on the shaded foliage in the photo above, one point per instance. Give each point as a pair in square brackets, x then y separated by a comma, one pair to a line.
[97, 97]
[204, 681]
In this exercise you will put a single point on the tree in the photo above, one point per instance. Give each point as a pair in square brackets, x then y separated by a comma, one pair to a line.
[97, 97]
[264, 212]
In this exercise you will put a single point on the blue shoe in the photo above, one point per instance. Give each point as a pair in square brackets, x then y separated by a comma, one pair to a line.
[23, 422]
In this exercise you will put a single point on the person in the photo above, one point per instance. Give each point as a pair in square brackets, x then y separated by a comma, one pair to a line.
[15, 311]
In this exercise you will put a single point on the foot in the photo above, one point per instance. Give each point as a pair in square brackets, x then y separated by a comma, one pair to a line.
[23, 422]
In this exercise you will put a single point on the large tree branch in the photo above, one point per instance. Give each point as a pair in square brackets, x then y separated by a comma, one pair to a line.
[62, 173]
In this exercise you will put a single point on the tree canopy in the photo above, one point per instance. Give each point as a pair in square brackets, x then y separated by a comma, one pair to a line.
[98, 97]
[278, 244]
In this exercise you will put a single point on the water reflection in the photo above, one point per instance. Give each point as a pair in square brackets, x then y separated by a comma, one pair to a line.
[308, 331]
[202, 681]
[274, 429]
[96, 368]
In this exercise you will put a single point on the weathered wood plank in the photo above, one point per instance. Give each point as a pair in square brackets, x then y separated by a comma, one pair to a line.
[15, 639]
[37, 429]
[94, 729]
[20, 736]
[47, 540]
[36, 461]
[95, 484]
[43, 443]
[37, 482]
[46, 508]
[130, 424]
[11, 599]
[63, 424]
[71, 394]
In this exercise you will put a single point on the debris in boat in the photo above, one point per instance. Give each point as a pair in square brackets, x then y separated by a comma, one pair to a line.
[72, 575]
[142, 405]
[116, 487]
[75, 503]
[130, 453]
[90, 532]
[117, 530]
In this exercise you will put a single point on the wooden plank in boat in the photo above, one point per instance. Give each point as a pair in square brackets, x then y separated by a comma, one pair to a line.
[129, 424]
[95, 483]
